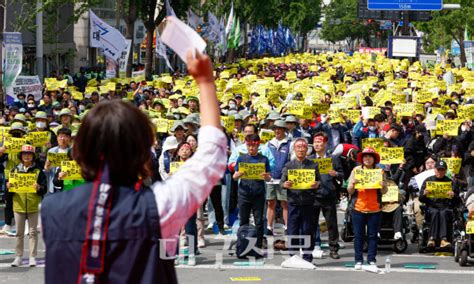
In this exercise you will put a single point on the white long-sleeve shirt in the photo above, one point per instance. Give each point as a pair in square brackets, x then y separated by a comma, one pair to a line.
[179, 197]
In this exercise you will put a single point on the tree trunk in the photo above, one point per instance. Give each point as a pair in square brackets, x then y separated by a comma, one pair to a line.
[129, 35]
[149, 54]
[463, 53]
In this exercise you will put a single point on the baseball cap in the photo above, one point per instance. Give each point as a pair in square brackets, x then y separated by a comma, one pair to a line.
[440, 164]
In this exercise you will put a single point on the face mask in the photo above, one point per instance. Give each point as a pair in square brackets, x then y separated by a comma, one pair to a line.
[31, 105]
[22, 100]
[41, 124]
[372, 128]
[232, 106]
[82, 108]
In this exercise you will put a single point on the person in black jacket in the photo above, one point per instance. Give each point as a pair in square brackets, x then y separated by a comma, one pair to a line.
[415, 149]
[326, 197]
[301, 223]
[440, 209]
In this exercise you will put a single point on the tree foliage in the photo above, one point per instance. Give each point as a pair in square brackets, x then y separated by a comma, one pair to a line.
[448, 25]
[341, 22]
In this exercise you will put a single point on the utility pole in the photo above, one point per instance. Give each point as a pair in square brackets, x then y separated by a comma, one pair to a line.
[3, 22]
[39, 39]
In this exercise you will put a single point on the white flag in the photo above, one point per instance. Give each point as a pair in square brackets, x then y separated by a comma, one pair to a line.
[230, 21]
[161, 50]
[102, 35]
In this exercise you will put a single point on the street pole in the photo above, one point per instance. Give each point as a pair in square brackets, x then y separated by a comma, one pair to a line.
[39, 40]
[3, 21]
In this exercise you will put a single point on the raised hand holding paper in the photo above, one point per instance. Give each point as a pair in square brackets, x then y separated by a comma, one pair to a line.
[180, 38]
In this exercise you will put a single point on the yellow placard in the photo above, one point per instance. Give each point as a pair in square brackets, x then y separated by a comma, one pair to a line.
[78, 96]
[454, 164]
[302, 178]
[252, 170]
[391, 195]
[438, 189]
[291, 76]
[174, 166]
[13, 145]
[376, 143]
[391, 155]
[470, 227]
[55, 159]
[296, 108]
[266, 135]
[324, 165]
[447, 126]
[368, 178]
[38, 138]
[72, 170]
[22, 182]
[162, 125]
[229, 123]
[370, 112]
[245, 279]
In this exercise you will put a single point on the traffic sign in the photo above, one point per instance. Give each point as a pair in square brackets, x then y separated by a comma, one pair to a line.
[405, 5]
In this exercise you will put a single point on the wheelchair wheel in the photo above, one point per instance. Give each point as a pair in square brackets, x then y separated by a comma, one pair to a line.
[456, 252]
[400, 246]
[421, 247]
[463, 258]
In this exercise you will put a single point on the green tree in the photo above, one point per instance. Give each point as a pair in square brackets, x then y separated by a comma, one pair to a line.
[448, 25]
[341, 23]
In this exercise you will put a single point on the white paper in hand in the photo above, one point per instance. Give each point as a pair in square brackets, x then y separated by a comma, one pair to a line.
[180, 37]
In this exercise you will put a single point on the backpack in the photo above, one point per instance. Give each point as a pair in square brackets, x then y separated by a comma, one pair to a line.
[243, 234]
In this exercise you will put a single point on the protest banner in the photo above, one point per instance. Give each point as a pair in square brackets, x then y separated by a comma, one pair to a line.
[252, 171]
[162, 125]
[370, 112]
[22, 182]
[291, 76]
[447, 126]
[391, 195]
[38, 138]
[369, 178]
[296, 108]
[454, 164]
[376, 143]
[266, 135]
[302, 178]
[26, 85]
[324, 165]
[72, 170]
[470, 227]
[229, 123]
[438, 189]
[391, 155]
[174, 166]
[12, 59]
[55, 159]
[13, 145]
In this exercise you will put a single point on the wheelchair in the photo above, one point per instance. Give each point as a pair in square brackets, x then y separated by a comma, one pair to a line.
[464, 246]
[455, 229]
[386, 232]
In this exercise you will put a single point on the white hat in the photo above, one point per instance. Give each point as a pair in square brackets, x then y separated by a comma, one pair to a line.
[170, 143]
